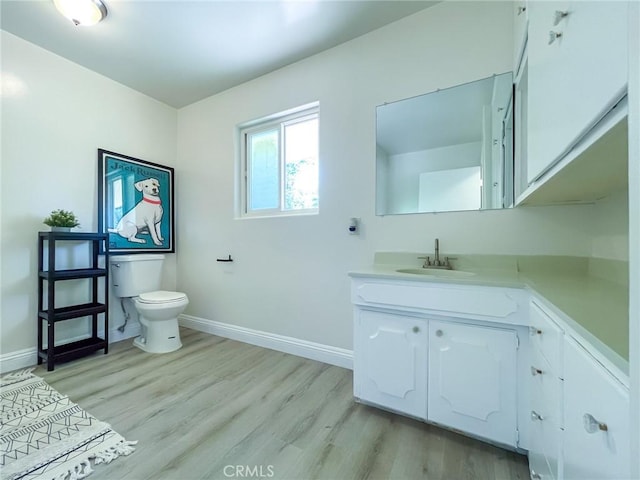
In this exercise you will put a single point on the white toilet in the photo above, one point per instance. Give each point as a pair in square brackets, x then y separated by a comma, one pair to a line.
[137, 277]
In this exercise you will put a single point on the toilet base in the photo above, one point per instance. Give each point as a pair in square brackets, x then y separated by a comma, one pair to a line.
[162, 337]
[142, 345]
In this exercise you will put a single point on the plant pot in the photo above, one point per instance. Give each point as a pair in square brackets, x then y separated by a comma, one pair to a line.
[61, 229]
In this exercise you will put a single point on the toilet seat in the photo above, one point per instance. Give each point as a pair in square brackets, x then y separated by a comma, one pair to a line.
[161, 296]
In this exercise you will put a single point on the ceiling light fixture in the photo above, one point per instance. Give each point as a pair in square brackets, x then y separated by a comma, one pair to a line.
[82, 12]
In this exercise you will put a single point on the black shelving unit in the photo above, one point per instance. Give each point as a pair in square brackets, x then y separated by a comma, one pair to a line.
[50, 315]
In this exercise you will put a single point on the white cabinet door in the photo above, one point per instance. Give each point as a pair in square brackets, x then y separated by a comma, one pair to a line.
[519, 31]
[390, 361]
[520, 125]
[472, 379]
[575, 79]
[596, 419]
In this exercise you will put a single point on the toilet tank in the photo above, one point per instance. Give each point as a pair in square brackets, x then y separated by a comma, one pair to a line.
[132, 275]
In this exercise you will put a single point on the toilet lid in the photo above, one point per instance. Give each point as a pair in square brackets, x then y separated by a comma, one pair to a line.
[161, 296]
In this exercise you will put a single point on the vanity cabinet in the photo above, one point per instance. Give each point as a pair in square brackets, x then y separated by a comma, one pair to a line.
[577, 67]
[596, 418]
[447, 354]
[579, 409]
[499, 364]
[391, 364]
[472, 379]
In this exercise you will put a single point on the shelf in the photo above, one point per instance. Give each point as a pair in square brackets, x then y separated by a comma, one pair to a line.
[594, 169]
[77, 349]
[73, 274]
[74, 311]
[80, 236]
[93, 308]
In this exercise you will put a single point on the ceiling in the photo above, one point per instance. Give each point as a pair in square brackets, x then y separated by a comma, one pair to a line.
[179, 52]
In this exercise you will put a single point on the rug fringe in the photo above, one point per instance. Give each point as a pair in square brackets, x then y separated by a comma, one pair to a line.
[17, 375]
[82, 470]
[123, 447]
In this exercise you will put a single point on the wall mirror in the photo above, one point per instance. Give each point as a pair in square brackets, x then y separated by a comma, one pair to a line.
[448, 150]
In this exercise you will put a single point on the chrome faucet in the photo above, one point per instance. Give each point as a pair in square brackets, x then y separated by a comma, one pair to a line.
[437, 263]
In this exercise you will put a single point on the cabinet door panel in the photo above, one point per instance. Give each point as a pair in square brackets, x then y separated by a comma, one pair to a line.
[577, 78]
[592, 393]
[472, 379]
[519, 31]
[390, 361]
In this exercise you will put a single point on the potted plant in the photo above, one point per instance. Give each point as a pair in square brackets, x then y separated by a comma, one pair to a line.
[61, 221]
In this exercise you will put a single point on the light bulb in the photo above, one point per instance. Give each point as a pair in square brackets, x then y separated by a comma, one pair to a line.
[82, 12]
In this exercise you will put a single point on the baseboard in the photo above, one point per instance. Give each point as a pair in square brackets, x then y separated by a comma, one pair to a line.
[29, 356]
[302, 348]
[18, 360]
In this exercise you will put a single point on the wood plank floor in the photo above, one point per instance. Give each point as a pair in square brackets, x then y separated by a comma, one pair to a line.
[219, 409]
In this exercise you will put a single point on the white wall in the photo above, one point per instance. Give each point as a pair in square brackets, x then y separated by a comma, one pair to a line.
[290, 274]
[55, 115]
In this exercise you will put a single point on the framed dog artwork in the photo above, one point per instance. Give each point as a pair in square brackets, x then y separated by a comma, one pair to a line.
[135, 204]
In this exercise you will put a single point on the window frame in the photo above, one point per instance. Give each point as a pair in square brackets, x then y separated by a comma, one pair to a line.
[278, 122]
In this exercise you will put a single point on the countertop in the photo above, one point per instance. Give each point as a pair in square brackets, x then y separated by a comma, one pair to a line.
[590, 295]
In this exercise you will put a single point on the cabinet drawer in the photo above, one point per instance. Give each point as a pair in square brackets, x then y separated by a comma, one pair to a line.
[539, 468]
[596, 419]
[505, 305]
[546, 336]
[546, 391]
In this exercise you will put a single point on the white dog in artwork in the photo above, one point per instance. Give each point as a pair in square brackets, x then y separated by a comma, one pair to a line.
[145, 216]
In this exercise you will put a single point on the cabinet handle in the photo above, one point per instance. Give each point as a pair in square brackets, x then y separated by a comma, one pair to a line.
[416, 329]
[535, 415]
[439, 333]
[553, 36]
[535, 371]
[558, 16]
[521, 10]
[591, 425]
[534, 331]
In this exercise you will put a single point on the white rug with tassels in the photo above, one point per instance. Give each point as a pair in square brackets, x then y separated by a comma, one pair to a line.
[45, 436]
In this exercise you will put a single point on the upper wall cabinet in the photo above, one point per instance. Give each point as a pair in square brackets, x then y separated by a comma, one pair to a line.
[520, 19]
[577, 68]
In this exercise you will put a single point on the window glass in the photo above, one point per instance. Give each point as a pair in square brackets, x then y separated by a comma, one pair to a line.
[301, 165]
[280, 162]
[264, 168]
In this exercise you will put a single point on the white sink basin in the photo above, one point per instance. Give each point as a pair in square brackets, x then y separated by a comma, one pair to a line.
[436, 272]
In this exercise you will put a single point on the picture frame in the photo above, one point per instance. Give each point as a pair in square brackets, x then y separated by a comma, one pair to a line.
[135, 204]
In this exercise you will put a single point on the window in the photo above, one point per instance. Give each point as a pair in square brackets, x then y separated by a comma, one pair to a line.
[279, 161]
